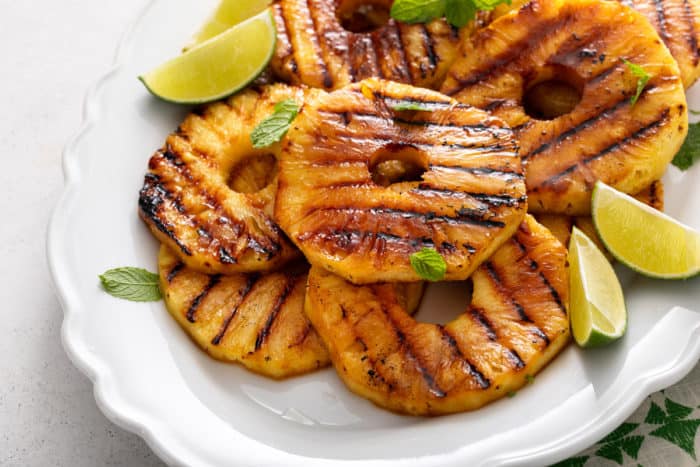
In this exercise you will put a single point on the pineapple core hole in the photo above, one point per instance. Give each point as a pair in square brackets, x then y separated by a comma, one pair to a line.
[253, 174]
[362, 16]
[550, 99]
[444, 301]
[397, 163]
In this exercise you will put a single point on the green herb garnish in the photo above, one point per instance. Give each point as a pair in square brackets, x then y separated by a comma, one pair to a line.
[642, 79]
[457, 12]
[429, 264]
[690, 151]
[407, 105]
[134, 284]
[273, 128]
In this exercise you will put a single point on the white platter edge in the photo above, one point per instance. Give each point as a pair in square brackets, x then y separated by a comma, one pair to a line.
[117, 409]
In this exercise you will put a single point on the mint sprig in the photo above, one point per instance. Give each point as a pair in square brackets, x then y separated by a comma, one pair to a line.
[457, 12]
[273, 128]
[134, 284]
[642, 79]
[690, 151]
[429, 264]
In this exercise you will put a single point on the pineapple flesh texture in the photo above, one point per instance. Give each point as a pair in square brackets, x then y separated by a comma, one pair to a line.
[605, 137]
[469, 199]
[204, 195]
[257, 320]
[676, 21]
[516, 323]
[315, 49]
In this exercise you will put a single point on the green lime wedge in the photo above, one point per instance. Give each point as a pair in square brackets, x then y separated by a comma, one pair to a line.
[644, 239]
[218, 67]
[228, 14]
[598, 312]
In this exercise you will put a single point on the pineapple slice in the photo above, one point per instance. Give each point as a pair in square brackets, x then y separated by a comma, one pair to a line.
[466, 197]
[516, 324]
[314, 48]
[187, 199]
[254, 319]
[676, 21]
[605, 137]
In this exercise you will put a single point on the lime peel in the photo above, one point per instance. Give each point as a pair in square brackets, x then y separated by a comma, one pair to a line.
[642, 238]
[219, 66]
[598, 311]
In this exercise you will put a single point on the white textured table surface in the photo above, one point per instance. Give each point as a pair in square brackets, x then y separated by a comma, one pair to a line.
[51, 52]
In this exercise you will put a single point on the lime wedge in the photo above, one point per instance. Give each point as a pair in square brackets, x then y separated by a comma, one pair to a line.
[228, 14]
[643, 238]
[218, 67]
[598, 312]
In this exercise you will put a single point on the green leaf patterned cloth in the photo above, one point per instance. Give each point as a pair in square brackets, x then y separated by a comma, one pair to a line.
[663, 432]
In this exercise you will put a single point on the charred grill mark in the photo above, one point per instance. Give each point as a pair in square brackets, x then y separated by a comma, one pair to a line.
[483, 171]
[225, 257]
[302, 336]
[252, 280]
[692, 33]
[496, 279]
[659, 122]
[174, 271]
[495, 105]
[577, 128]
[407, 346]
[194, 306]
[404, 70]
[429, 45]
[661, 17]
[314, 34]
[481, 380]
[353, 237]
[463, 216]
[279, 302]
[151, 200]
[480, 318]
[491, 200]
[552, 291]
[515, 359]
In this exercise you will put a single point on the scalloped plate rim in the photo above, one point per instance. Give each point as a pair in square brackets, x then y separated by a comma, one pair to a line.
[120, 413]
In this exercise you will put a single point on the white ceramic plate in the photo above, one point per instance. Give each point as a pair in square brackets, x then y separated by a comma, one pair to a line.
[149, 378]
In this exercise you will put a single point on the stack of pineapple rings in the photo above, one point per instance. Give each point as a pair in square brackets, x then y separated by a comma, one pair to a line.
[375, 171]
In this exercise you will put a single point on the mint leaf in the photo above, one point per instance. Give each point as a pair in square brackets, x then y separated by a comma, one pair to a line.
[459, 12]
[429, 264]
[417, 11]
[134, 284]
[642, 79]
[408, 105]
[690, 151]
[273, 128]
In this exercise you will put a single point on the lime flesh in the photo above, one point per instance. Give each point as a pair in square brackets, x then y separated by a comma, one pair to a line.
[598, 312]
[218, 67]
[228, 14]
[643, 238]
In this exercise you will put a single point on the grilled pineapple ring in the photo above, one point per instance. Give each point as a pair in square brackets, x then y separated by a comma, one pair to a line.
[186, 199]
[517, 322]
[606, 137]
[313, 47]
[469, 200]
[676, 21]
[255, 319]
